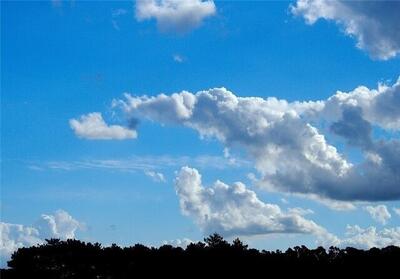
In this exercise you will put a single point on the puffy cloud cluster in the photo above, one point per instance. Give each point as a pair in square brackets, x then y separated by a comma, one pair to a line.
[371, 237]
[60, 225]
[175, 15]
[282, 138]
[377, 106]
[13, 236]
[92, 126]
[374, 24]
[379, 213]
[236, 210]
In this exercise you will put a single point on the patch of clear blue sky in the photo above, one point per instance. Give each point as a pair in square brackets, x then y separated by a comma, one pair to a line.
[59, 63]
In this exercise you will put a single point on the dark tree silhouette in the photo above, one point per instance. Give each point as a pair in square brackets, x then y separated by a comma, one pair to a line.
[77, 259]
[216, 241]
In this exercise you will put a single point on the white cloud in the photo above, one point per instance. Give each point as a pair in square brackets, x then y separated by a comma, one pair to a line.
[175, 15]
[374, 24]
[156, 176]
[290, 153]
[60, 225]
[376, 106]
[371, 237]
[337, 205]
[236, 210]
[13, 236]
[284, 201]
[183, 243]
[379, 213]
[92, 126]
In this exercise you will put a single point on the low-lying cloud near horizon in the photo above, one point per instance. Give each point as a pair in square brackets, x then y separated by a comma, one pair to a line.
[234, 210]
[59, 225]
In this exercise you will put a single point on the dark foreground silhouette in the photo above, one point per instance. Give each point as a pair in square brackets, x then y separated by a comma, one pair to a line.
[77, 259]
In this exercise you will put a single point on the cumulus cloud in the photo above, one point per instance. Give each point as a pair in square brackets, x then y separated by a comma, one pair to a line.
[371, 237]
[374, 24]
[377, 106]
[283, 139]
[59, 225]
[156, 176]
[14, 236]
[379, 213]
[92, 126]
[179, 16]
[235, 210]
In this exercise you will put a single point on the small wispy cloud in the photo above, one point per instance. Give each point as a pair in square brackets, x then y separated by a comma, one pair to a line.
[145, 164]
[118, 12]
[115, 14]
[178, 58]
[115, 24]
[155, 176]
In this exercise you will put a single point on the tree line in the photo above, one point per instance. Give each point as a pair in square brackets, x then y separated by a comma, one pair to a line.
[77, 259]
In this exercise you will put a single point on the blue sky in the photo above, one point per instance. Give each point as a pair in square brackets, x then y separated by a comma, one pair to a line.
[61, 60]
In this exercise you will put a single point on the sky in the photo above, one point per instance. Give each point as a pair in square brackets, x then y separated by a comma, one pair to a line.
[164, 121]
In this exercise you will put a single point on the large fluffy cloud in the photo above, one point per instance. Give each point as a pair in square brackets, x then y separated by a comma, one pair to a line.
[13, 236]
[175, 15]
[236, 210]
[374, 24]
[92, 126]
[289, 151]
